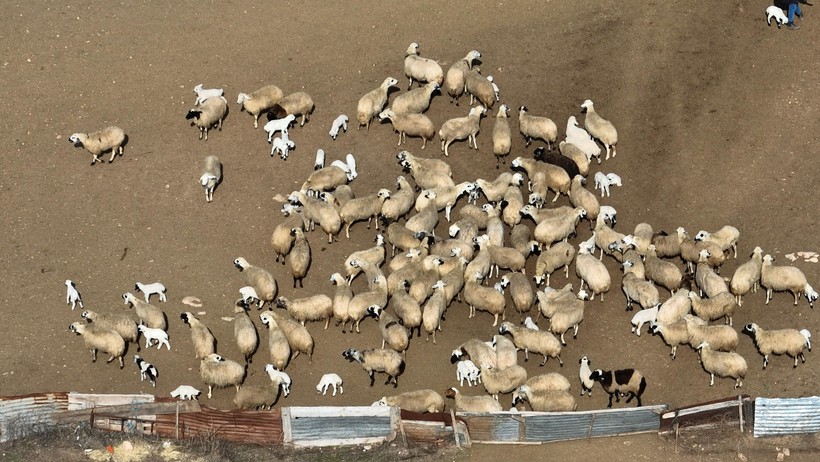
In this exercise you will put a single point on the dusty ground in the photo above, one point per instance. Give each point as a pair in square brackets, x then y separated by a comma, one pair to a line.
[716, 114]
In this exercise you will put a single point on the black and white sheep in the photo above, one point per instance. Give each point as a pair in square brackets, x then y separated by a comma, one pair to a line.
[621, 382]
[209, 114]
[147, 370]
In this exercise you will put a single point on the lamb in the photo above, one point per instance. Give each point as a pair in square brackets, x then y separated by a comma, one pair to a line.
[479, 88]
[467, 370]
[723, 364]
[413, 124]
[781, 278]
[502, 138]
[726, 238]
[278, 375]
[278, 345]
[202, 338]
[211, 176]
[489, 299]
[121, 323]
[147, 370]
[260, 279]
[328, 380]
[368, 207]
[604, 181]
[151, 335]
[575, 154]
[584, 374]
[204, 93]
[460, 128]
[299, 103]
[579, 196]
[535, 127]
[282, 145]
[723, 338]
[72, 295]
[791, 342]
[811, 295]
[373, 102]
[298, 259]
[378, 360]
[455, 80]
[338, 123]
[610, 214]
[637, 289]
[209, 114]
[747, 276]
[545, 401]
[415, 101]
[318, 211]
[254, 397]
[105, 340]
[709, 309]
[620, 382]
[592, 272]
[400, 202]
[420, 401]
[521, 292]
[496, 91]
[421, 69]
[574, 131]
[559, 255]
[481, 403]
[150, 289]
[502, 381]
[529, 323]
[152, 316]
[298, 337]
[662, 272]
[185, 392]
[600, 128]
[774, 11]
[244, 332]
[278, 125]
[259, 101]
[477, 350]
[642, 317]
[537, 341]
[393, 333]
[281, 239]
[109, 138]
[314, 308]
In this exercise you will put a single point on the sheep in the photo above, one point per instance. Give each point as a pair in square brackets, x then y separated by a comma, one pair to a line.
[543, 175]
[99, 141]
[393, 333]
[479, 88]
[150, 289]
[791, 342]
[299, 103]
[328, 380]
[675, 307]
[368, 207]
[481, 403]
[105, 340]
[642, 317]
[774, 11]
[298, 259]
[204, 93]
[374, 256]
[319, 211]
[327, 178]
[415, 101]
[674, 334]
[610, 214]
[662, 272]
[377, 360]
[529, 323]
[281, 239]
[555, 257]
[152, 316]
[72, 295]
[276, 374]
[338, 123]
[314, 308]
[690, 251]
[258, 278]
[376, 295]
[244, 332]
[420, 401]
[502, 140]
[211, 176]
[278, 345]
[564, 319]
[592, 272]
[706, 279]
[559, 228]
[537, 341]
[637, 289]
[811, 295]
[781, 278]
[600, 128]
[298, 337]
[209, 114]
[202, 338]
[574, 131]
[666, 245]
[341, 299]
[555, 158]
[426, 220]
[620, 382]
[460, 128]
[477, 350]
[535, 127]
[584, 373]
[282, 145]
[604, 181]
[278, 125]
[185, 392]
[404, 240]
[502, 381]
[505, 351]
[407, 309]
[576, 155]
[259, 101]
[151, 334]
[422, 167]
[545, 401]
[494, 190]
[550, 300]
[254, 397]
[418, 125]
[747, 276]
[421, 69]
[579, 196]
[496, 91]
[521, 292]
[147, 370]
[121, 323]
[710, 309]
[373, 102]
[489, 299]
[455, 80]
[400, 202]
[433, 310]
[467, 370]
[723, 364]
[726, 237]
[723, 338]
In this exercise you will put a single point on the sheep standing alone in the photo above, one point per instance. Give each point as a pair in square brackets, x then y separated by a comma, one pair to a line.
[185, 392]
[258, 278]
[723, 364]
[328, 380]
[105, 340]
[600, 128]
[72, 295]
[259, 101]
[535, 127]
[421, 69]
[455, 80]
[502, 137]
[147, 370]
[338, 123]
[151, 289]
[373, 102]
[109, 138]
[460, 128]
[790, 342]
[299, 103]
[774, 11]
[211, 176]
[781, 278]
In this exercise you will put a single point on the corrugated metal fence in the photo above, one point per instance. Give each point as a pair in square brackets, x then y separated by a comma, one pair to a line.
[786, 416]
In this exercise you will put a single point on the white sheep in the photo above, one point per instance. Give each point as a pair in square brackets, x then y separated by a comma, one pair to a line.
[604, 181]
[782, 278]
[791, 342]
[282, 145]
[609, 213]
[151, 289]
[338, 122]
[495, 87]
[530, 324]
[774, 11]
[209, 114]
[467, 370]
[330, 380]
[584, 373]
[726, 237]
[204, 93]
[600, 128]
[109, 138]
[535, 127]
[460, 128]
[319, 162]
[373, 102]
[259, 101]
[249, 295]
[574, 131]
[278, 125]
[723, 364]
[811, 294]
[644, 316]
[211, 176]
[275, 374]
[151, 334]
[454, 81]
[147, 370]
[416, 125]
[72, 294]
[421, 69]
[185, 392]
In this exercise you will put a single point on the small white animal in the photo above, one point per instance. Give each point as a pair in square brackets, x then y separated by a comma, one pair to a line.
[72, 296]
[320, 159]
[152, 334]
[495, 87]
[328, 380]
[283, 145]
[150, 289]
[338, 122]
[467, 370]
[185, 392]
[147, 370]
[204, 93]
[530, 324]
[778, 15]
[249, 295]
[604, 181]
[614, 179]
[278, 125]
[273, 373]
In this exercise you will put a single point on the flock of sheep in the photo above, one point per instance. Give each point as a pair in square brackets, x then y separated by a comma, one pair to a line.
[413, 289]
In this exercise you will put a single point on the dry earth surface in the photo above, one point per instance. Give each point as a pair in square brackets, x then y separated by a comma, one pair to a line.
[716, 114]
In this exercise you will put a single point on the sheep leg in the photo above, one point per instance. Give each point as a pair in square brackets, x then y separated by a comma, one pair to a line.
[93, 355]
[557, 193]
[113, 154]
[210, 390]
[446, 150]
[372, 378]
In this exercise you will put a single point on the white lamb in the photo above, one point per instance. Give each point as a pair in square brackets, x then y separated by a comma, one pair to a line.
[152, 334]
[275, 374]
[330, 380]
[495, 87]
[467, 370]
[249, 296]
[338, 122]
[530, 324]
[72, 295]
[777, 13]
[185, 392]
[151, 289]
[644, 316]
[320, 159]
[278, 125]
[282, 145]
[604, 181]
[204, 93]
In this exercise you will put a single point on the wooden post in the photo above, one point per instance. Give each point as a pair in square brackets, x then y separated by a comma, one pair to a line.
[455, 430]
[740, 411]
[591, 423]
[176, 422]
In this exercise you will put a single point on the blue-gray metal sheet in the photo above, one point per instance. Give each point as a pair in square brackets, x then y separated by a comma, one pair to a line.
[324, 428]
[786, 416]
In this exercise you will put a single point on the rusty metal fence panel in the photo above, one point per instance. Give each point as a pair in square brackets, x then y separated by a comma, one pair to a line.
[786, 416]
[23, 415]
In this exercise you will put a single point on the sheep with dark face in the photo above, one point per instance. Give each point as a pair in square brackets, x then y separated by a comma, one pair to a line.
[208, 114]
[375, 360]
[621, 382]
[106, 340]
[791, 342]
[201, 336]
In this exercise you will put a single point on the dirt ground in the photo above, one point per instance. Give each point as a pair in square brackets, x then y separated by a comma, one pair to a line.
[715, 111]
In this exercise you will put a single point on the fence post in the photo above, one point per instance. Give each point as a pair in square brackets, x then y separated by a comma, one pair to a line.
[455, 430]
[740, 411]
